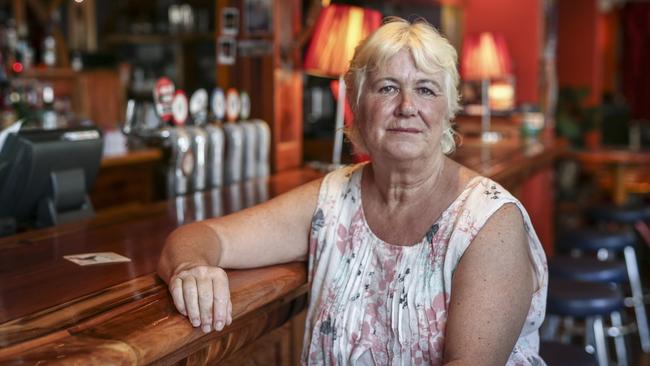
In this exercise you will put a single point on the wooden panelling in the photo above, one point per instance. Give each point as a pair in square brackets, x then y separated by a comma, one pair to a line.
[272, 79]
[125, 179]
[101, 98]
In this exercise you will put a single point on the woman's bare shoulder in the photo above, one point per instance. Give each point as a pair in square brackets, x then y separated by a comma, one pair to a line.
[463, 174]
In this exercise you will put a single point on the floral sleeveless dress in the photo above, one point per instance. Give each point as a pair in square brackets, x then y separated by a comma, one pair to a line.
[373, 303]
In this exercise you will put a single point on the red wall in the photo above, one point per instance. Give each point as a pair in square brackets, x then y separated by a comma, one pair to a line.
[520, 22]
[581, 43]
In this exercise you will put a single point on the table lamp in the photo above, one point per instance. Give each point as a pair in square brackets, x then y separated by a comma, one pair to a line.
[485, 57]
[337, 32]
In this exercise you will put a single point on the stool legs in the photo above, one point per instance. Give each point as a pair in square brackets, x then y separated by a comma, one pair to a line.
[550, 327]
[569, 327]
[637, 297]
[619, 339]
[598, 333]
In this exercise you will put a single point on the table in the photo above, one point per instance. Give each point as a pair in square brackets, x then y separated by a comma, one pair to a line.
[620, 164]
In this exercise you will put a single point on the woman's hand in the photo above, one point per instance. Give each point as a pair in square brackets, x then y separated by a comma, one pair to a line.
[201, 293]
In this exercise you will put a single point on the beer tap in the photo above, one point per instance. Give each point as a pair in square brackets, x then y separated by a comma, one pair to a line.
[234, 134]
[250, 137]
[199, 139]
[216, 137]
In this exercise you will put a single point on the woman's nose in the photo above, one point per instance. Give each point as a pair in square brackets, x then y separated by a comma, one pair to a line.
[406, 107]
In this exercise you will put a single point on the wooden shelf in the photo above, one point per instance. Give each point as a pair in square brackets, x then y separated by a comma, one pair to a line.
[46, 72]
[160, 38]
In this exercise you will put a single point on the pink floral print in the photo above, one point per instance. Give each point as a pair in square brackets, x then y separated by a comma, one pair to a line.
[373, 303]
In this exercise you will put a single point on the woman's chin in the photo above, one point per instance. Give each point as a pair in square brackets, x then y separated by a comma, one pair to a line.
[404, 153]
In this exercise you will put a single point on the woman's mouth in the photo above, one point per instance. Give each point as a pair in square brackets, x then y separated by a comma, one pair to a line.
[403, 130]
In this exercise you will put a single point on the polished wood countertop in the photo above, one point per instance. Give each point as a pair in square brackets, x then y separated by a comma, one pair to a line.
[54, 310]
[509, 162]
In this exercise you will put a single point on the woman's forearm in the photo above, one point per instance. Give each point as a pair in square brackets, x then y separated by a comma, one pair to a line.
[189, 245]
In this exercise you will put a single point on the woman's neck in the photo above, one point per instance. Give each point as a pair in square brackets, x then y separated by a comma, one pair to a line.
[406, 183]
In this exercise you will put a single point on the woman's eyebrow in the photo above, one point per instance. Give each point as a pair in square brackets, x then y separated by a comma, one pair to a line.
[428, 81]
[433, 82]
[385, 78]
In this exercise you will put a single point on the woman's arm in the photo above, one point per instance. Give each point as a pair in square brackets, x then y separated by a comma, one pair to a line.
[192, 259]
[491, 293]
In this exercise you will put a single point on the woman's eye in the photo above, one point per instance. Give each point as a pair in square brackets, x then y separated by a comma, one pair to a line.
[426, 91]
[388, 89]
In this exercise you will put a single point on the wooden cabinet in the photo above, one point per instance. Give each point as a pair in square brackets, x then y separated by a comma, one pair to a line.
[271, 77]
[100, 98]
[96, 95]
[126, 179]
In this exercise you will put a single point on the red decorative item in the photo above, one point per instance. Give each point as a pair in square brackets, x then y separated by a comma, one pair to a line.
[163, 96]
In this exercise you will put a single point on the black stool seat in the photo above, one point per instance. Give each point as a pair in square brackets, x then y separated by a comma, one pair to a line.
[582, 299]
[593, 240]
[587, 269]
[558, 354]
[623, 215]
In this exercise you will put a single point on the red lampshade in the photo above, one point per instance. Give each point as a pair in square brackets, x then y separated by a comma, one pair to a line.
[485, 56]
[338, 30]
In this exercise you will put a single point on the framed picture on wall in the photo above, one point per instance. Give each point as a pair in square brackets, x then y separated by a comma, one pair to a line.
[226, 50]
[230, 21]
[258, 17]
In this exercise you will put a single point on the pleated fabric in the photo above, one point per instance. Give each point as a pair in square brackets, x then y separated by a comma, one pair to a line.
[373, 303]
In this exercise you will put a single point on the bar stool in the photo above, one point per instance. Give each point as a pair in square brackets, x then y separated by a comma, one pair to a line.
[605, 243]
[560, 354]
[586, 269]
[628, 215]
[591, 301]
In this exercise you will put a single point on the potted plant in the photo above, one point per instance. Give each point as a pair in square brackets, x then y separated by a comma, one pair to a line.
[576, 121]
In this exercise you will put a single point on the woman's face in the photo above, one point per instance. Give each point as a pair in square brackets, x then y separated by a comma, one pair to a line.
[401, 111]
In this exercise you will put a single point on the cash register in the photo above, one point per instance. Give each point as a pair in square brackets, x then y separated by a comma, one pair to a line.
[45, 176]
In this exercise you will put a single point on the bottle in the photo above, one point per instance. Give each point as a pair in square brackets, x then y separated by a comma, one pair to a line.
[49, 50]
[49, 118]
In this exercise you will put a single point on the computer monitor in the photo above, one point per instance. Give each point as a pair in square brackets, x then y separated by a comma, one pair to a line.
[45, 175]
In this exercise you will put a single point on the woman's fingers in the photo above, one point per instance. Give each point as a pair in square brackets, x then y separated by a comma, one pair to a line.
[229, 321]
[203, 295]
[176, 288]
[190, 295]
[204, 286]
[221, 300]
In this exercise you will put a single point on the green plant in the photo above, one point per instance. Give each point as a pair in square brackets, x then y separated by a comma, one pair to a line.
[574, 118]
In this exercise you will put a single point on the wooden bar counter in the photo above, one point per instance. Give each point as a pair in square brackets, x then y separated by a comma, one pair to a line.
[54, 311]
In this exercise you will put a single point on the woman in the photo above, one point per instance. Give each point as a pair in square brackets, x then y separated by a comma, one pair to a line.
[413, 258]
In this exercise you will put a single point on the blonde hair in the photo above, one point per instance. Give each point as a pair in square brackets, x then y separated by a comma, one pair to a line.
[431, 53]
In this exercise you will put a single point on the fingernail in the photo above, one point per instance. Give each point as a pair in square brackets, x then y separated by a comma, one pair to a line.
[196, 322]
[219, 325]
[206, 328]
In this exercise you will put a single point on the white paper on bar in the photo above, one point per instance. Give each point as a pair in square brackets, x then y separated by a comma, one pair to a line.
[88, 259]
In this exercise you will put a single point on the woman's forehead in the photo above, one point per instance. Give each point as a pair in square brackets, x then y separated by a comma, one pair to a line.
[401, 71]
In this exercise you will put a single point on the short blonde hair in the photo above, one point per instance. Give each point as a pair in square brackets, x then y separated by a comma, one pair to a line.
[431, 53]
